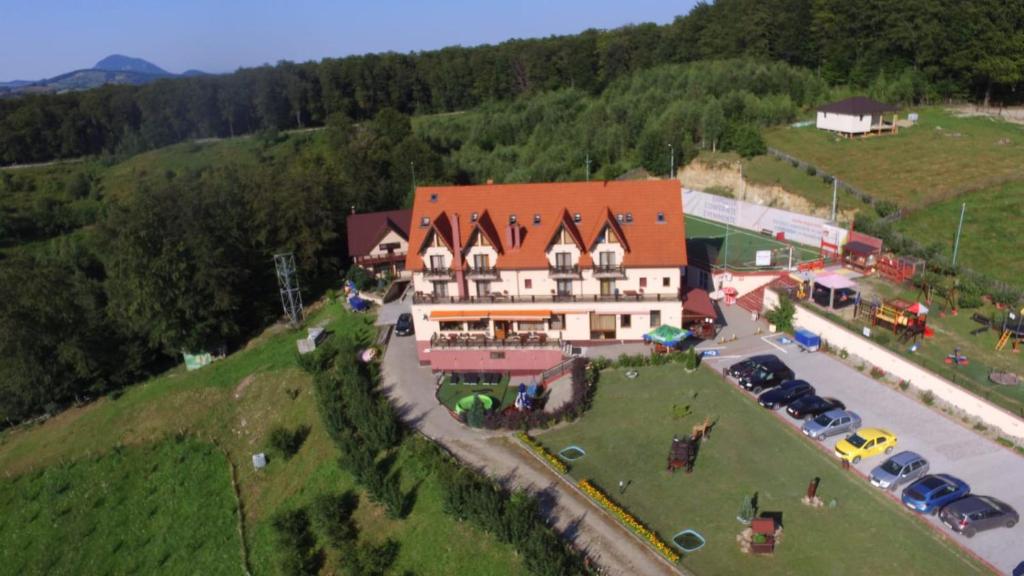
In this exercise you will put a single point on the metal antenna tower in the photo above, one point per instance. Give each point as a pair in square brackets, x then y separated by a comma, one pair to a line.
[288, 282]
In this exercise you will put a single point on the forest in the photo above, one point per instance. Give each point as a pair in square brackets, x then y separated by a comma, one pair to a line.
[112, 266]
[940, 49]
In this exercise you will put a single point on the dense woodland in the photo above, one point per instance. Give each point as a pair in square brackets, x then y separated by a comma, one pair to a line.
[964, 49]
[99, 288]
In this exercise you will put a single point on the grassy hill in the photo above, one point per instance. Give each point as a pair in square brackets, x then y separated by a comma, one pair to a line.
[939, 158]
[233, 403]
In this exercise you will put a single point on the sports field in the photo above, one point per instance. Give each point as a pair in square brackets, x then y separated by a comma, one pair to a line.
[711, 243]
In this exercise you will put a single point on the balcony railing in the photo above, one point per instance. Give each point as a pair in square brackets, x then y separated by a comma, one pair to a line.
[483, 272]
[628, 296]
[382, 259]
[564, 271]
[442, 273]
[609, 271]
[464, 341]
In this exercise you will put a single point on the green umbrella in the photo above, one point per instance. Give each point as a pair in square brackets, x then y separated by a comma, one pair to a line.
[667, 335]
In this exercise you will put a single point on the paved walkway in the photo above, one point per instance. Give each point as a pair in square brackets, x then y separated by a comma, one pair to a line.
[948, 446]
[411, 388]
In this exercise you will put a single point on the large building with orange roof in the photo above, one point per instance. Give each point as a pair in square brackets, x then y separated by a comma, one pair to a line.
[507, 276]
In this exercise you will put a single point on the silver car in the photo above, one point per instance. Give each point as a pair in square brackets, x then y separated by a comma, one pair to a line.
[831, 423]
[900, 469]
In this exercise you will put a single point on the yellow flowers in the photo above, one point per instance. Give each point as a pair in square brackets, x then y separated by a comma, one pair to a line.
[553, 460]
[628, 519]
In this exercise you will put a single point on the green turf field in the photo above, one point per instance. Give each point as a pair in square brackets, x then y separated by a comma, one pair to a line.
[706, 245]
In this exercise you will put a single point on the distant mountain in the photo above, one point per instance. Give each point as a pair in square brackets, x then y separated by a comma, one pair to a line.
[119, 63]
[114, 69]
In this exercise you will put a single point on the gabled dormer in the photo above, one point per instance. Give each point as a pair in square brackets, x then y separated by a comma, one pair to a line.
[437, 246]
[609, 232]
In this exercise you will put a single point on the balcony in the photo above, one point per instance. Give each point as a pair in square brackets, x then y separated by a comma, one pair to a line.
[516, 341]
[370, 261]
[483, 273]
[444, 273]
[561, 272]
[609, 271]
[628, 296]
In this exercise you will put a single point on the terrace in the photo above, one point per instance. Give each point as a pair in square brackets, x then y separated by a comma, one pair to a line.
[512, 340]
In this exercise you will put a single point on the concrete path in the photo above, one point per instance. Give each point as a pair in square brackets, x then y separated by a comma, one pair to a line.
[949, 447]
[411, 388]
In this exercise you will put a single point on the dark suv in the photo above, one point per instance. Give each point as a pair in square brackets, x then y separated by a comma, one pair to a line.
[977, 513]
[404, 326]
[744, 367]
[767, 374]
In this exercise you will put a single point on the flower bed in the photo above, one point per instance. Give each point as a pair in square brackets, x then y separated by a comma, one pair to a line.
[628, 519]
[541, 451]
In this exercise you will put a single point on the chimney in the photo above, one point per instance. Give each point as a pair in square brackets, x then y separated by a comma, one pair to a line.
[460, 279]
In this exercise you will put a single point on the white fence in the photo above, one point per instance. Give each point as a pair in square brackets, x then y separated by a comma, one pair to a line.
[903, 369]
[799, 228]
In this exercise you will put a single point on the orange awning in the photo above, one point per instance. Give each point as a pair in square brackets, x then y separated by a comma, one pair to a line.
[520, 314]
[457, 315]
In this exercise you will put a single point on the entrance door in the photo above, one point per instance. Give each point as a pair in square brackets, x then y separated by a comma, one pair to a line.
[500, 329]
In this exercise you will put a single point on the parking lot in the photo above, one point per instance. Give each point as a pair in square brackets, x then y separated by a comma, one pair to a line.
[949, 447]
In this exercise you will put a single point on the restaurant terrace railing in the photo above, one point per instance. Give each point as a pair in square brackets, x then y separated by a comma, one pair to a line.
[464, 340]
[627, 296]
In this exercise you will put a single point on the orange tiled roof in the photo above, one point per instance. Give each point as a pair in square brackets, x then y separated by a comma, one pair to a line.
[647, 242]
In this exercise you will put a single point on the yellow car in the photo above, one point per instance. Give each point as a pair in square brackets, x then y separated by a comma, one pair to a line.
[864, 443]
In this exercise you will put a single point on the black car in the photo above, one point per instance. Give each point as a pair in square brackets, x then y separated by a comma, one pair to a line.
[812, 405]
[765, 375]
[404, 325]
[744, 367]
[974, 514]
[785, 393]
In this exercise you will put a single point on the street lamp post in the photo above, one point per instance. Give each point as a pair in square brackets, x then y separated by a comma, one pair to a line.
[671, 161]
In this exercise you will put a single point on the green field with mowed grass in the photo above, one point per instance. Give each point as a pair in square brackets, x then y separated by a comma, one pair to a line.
[234, 402]
[164, 508]
[749, 452]
[993, 232]
[939, 158]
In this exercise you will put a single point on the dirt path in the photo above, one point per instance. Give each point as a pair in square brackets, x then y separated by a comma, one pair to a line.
[617, 550]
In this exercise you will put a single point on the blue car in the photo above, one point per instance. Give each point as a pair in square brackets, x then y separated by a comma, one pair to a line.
[934, 491]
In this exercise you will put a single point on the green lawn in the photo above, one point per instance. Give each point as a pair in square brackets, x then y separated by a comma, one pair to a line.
[626, 436]
[162, 508]
[939, 158]
[236, 402]
[955, 332]
[705, 243]
[992, 235]
[448, 394]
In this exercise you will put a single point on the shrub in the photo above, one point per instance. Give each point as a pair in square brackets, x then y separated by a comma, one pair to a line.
[332, 517]
[877, 373]
[782, 315]
[904, 384]
[1005, 441]
[371, 559]
[288, 442]
[928, 397]
[844, 353]
[296, 545]
[1006, 295]
[812, 171]
[475, 414]
[885, 208]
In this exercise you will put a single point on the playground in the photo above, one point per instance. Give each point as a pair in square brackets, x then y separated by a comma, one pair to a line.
[971, 337]
[748, 453]
[716, 245]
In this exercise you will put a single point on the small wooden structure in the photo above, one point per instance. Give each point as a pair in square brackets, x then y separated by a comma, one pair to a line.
[862, 252]
[762, 529]
[901, 316]
[699, 314]
[681, 454]
[899, 269]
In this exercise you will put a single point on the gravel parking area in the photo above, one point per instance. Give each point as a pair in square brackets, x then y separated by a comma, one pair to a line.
[949, 447]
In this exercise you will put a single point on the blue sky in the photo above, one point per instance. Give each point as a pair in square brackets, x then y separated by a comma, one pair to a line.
[42, 38]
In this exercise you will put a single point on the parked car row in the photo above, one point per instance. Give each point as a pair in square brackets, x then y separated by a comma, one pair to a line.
[776, 386]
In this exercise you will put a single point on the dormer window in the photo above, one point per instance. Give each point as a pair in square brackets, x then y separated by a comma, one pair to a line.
[620, 217]
[474, 216]
[629, 217]
[512, 219]
[661, 217]
[577, 217]
[433, 197]
[425, 221]
[536, 219]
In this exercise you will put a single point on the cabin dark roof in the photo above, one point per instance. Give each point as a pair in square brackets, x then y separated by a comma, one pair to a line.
[367, 229]
[857, 106]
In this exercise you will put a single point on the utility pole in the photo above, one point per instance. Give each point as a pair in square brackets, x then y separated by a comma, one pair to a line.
[588, 166]
[288, 284]
[835, 190]
[956, 245]
[671, 161]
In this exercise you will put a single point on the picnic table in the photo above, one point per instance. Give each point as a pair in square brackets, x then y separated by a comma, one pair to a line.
[681, 454]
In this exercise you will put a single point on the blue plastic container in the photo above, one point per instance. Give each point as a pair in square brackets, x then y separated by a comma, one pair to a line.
[809, 340]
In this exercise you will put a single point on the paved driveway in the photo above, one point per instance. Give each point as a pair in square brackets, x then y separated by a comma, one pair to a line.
[949, 447]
